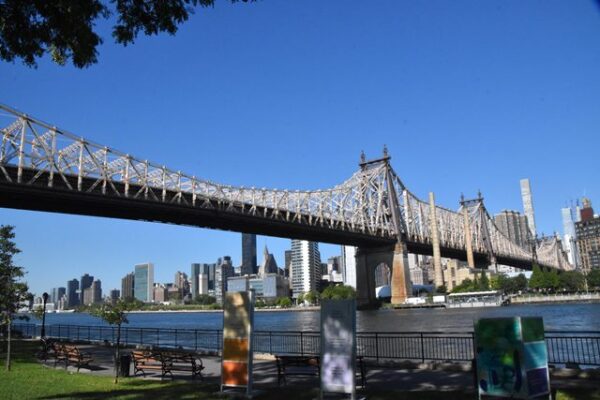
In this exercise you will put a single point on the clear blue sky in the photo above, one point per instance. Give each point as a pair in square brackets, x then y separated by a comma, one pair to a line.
[467, 95]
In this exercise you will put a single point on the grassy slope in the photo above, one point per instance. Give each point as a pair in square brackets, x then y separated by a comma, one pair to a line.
[31, 380]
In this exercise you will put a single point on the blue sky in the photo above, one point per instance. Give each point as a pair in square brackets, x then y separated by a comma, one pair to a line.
[467, 95]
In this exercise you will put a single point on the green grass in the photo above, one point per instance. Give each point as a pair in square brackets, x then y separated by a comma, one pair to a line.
[28, 379]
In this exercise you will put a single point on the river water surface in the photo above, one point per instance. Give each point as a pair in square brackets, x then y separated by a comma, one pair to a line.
[564, 317]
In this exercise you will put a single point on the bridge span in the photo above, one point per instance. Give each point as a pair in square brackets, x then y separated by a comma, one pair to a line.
[45, 168]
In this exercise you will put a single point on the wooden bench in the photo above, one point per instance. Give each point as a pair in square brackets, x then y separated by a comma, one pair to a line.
[166, 362]
[57, 351]
[148, 361]
[310, 365]
[296, 365]
[73, 355]
[185, 362]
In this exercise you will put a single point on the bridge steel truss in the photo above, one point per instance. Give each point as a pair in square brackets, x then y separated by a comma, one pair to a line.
[373, 207]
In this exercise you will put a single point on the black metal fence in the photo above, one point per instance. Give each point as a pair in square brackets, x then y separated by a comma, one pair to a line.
[581, 348]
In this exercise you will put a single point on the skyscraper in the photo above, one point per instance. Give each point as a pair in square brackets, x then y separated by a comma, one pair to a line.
[588, 238]
[223, 271]
[305, 266]
[249, 262]
[84, 283]
[569, 236]
[204, 272]
[288, 262]
[182, 283]
[128, 286]
[144, 282]
[528, 205]
[93, 294]
[57, 294]
[72, 296]
[514, 226]
[269, 265]
[349, 265]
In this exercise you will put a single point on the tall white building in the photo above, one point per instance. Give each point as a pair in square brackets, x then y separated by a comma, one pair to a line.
[569, 236]
[349, 265]
[528, 205]
[305, 266]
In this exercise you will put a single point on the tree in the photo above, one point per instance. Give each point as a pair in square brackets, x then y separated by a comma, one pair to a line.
[284, 302]
[205, 299]
[115, 315]
[551, 280]
[537, 278]
[67, 29]
[300, 299]
[593, 279]
[571, 281]
[312, 297]
[338, 292]
[442, 289]
[484, 282]
[519, 283]
[12, 291]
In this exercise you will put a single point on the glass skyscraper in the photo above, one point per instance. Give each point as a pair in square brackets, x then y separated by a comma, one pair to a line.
[249, 263]
[144, 282]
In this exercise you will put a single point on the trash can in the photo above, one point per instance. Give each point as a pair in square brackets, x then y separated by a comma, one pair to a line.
[124, 364]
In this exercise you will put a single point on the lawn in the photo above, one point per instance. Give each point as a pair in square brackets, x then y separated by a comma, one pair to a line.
[28, 379]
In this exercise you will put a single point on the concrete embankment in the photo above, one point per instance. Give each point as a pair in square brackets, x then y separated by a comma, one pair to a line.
[556, 298]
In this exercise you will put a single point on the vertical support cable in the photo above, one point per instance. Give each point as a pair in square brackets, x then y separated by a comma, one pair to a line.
[80, 166]
[21, 150]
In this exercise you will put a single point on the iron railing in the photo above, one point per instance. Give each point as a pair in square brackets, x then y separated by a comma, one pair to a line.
[564, 347]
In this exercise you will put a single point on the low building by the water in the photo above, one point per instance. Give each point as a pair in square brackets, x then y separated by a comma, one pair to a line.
[488, 298]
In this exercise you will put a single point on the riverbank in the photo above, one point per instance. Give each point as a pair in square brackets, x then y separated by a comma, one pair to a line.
[556, 298]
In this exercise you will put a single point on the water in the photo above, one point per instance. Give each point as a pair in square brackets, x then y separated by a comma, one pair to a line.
[564, 317]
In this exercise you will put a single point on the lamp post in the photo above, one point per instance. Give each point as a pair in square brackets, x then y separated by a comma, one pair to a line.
[45, 299]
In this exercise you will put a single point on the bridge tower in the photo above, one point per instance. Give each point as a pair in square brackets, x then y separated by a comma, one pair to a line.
[394, 257]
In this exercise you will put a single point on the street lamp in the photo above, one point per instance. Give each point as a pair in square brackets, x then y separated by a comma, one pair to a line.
[45, 299]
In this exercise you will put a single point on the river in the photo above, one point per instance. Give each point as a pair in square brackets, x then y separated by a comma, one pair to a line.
[563, 317]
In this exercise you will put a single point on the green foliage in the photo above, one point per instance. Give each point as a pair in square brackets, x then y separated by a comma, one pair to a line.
[113, 314]
[284, 302]
[537, 280]
[68, 30]
[484, 282]
[312, 297]
[12, 290]
[505, 284]
[205, 299]
[338, 292]
[300, 299]
[593, 279]
[441, 289]
[571, 281]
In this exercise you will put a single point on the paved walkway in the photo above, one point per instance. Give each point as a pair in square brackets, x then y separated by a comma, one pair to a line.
[445, 378]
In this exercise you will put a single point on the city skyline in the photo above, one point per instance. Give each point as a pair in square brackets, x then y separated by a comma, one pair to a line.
[314, 126]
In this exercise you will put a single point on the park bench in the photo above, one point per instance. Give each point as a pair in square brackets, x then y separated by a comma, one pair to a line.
[166, 362]
[148, 361]
[184, 362]
[57, 351]
[310, 366]
[73, 355]
[296, 365]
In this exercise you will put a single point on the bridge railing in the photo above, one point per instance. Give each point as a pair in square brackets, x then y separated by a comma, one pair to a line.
[564, 347]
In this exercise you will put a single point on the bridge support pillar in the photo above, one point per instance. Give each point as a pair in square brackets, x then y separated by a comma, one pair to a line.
[367, 260]
[401, 286]
[435, 242]
[468, 239]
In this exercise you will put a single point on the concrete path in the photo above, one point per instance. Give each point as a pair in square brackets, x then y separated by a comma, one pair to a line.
[446, 378]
